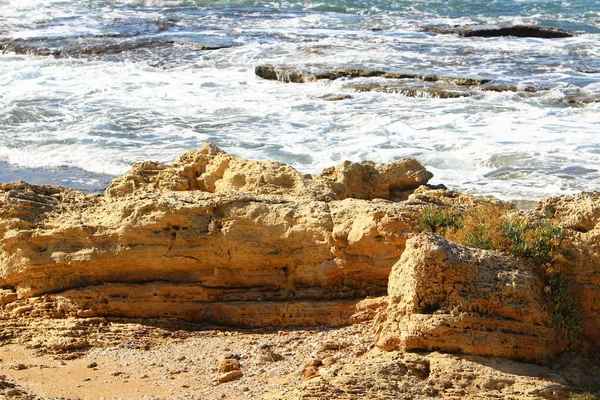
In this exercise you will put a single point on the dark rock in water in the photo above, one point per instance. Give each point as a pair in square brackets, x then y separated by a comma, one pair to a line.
[516, 31]
[408, 84]
[424, 89]
[581, 100]
[197, 46]
[111, 48]
[504, 88]
[293, 75]
[412, 90]
[587, 71]
[344, 72]
[439, 186]
[436, 78]
[288, 75]
[74, 47]
[164, 25]
[336, 97]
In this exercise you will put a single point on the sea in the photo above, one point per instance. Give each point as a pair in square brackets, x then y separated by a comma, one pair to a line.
[90, 87]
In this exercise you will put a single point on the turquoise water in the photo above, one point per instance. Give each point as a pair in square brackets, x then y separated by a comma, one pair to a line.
[82, 119]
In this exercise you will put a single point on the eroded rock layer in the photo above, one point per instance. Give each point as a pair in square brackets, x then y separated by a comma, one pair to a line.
[224, 240]
[486, 302]
[116, 48]
[579, 214]
[213, 238]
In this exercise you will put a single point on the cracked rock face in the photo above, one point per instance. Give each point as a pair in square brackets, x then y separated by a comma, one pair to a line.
[213, 238]
[486, 302]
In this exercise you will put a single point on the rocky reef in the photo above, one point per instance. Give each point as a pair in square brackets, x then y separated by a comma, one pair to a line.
[213, 238]
[116, 48]
[404, 83]
[523, 31]
[409, 84]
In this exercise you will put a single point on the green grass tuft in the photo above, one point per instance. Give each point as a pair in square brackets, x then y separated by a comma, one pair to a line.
[567, 314]
[480, 238]
[538, 241]
[440, 220]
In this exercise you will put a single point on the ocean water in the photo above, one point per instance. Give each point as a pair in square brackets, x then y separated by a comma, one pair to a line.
[178, 73]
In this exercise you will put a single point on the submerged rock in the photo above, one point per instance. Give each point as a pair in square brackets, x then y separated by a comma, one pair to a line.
[158, 52]
[516, 31]
[579, 100]
[422, 89]
[336, 97]
[75, 47]
[312, 74]
[407, 84]
[418, 90]
[92, 46]
[289, 75]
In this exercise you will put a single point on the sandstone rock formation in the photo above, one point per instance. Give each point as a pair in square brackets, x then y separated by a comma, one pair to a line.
[411, 376]
[211, 170]
[452, 298]
[212, 238]
[579, 214]
[220, 239]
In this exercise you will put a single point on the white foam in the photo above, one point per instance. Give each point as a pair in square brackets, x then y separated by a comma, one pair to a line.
[104, 116]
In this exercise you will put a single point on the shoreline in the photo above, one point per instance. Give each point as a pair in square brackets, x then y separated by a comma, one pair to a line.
[217, 275]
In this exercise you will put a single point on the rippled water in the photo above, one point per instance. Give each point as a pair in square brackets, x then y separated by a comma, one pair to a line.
[80, 114]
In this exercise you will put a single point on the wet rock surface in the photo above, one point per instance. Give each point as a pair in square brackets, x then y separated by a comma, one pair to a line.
[312, 74]
[524, 31]
[412, 89]
[410, 84]
[407, 84]
[172, 52]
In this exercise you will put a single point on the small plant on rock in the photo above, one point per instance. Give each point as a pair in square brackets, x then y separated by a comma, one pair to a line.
[440, 220]
[538, 241]
[583, 396]
[567, 314]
